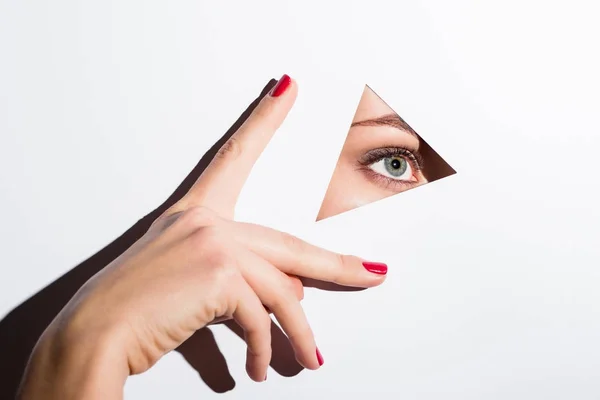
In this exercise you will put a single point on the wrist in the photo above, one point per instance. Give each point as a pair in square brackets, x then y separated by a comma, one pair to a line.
[66, 366]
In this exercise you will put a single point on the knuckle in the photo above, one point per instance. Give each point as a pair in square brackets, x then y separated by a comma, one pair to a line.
[283, 298]
[224, 278]
[223, 268]
[292, 242]
[231, 149]
[289, 285]
[264, 322]
[208, 240]
[198, 216]
[297, 287]
[261, 328]
[339, 266]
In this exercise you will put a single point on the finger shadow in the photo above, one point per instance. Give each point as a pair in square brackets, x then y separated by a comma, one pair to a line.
[202, 353]
[328, 286]
[21, 328]
[283, 360]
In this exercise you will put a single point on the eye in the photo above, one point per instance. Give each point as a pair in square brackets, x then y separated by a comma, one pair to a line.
[394, 168]
[397, 168]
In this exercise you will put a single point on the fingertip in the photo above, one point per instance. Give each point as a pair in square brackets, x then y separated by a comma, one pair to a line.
[314, 361]
[282, 85]
[373, 273]
[320, 359]
[377, 280]
[377, 268]
[311, 365]
[286, 87]
[256, 368]
[357, 272]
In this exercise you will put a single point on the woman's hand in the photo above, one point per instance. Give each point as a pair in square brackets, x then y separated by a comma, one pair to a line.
[193, 267]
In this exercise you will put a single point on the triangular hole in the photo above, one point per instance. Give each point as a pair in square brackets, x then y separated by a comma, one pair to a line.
[382, 156]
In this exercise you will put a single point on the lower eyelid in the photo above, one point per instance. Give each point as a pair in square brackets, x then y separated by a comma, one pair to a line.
[384, 180]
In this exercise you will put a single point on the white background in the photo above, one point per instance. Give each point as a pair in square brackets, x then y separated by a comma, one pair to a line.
[493, 284]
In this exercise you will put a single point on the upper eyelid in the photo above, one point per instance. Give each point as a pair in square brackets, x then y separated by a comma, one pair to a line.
[387, 151]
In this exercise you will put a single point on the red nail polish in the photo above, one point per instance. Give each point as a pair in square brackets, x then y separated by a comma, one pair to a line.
[319, 357]
[281, 86]
[375, 267]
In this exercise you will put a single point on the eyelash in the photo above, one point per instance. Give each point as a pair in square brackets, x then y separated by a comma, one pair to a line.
[414, 159]
[379, 154]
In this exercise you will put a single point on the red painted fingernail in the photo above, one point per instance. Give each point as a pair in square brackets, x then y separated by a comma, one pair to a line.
[375, 267]
[281, 86]
[319, 357]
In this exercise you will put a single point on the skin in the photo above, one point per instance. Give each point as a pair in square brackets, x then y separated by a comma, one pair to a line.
[353, 185]
[195, 266]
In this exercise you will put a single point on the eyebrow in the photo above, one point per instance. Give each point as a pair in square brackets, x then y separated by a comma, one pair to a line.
[392, 120]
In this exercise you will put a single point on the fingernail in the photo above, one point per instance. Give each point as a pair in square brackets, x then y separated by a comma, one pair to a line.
[281, 86]
[265, 378]
[375, 267]
[319, 357]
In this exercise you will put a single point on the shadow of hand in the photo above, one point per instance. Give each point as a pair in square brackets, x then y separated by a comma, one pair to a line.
[202, 353]
[21, 328]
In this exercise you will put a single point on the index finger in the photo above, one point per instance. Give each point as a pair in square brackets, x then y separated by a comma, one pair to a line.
[294, 256]
[220, 184]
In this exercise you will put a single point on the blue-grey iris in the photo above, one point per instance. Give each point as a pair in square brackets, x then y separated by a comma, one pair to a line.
[396, 166]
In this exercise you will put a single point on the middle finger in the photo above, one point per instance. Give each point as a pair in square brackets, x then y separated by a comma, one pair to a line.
[273, 289]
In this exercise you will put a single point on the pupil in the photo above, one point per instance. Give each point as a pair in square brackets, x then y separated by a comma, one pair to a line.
[396, 164]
